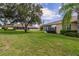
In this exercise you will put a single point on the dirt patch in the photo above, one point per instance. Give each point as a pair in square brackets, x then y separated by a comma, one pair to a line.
[5, 45]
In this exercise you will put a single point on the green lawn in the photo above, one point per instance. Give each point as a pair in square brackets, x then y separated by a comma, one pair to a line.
[36, 43]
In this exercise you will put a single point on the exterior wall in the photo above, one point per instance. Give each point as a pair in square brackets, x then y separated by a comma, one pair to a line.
[59, 24]
[19, 25]
[74, 26]
[58, 28]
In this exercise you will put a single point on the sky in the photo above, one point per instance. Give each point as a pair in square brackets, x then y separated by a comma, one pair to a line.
[50, 12]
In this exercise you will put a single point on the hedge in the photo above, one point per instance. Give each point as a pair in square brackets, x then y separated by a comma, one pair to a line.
[70, 33]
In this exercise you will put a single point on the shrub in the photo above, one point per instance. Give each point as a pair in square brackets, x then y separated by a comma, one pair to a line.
[65, 31]
[70, 33]
[77, 34]
[41, 28]
[5, 28]
[62, 31]
[51, 31]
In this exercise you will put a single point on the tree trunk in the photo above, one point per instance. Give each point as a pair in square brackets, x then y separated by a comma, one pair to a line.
[5, 25]
[25, 27]
[78, 22]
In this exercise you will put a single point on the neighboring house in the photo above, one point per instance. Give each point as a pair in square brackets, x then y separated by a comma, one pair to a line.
[20, 25]
[58, 25]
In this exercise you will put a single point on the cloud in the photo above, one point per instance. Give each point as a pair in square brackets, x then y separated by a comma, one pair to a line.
[59, 7]
[58, 15]
[49, 14]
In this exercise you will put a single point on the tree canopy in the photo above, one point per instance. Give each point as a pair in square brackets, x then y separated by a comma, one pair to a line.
[26, 12]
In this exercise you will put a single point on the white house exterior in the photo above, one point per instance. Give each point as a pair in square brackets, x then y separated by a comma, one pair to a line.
[58, 24]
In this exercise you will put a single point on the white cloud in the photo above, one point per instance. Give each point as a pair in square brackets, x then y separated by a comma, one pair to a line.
[59, 7]
[58, 15]
[49, 14]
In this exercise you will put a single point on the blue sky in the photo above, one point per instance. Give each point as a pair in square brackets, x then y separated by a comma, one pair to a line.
[50, 12]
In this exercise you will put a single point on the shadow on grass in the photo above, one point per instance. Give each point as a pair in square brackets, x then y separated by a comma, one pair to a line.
[12, 32]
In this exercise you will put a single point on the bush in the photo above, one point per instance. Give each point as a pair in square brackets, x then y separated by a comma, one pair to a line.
[77, 34]
[67, 31]
[70, 33]
[5, 28]
[51, 31]
[62, 31]
[41, 28]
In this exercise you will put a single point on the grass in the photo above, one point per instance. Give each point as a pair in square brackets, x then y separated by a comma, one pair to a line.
[36, 43]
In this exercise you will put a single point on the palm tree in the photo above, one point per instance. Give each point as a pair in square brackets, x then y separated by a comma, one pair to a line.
[67, 9]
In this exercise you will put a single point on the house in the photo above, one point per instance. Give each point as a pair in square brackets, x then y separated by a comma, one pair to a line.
[58, 25]
[20, 26]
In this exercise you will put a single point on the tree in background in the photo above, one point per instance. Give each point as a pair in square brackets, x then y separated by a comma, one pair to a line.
[29, 13]
[8, 11]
